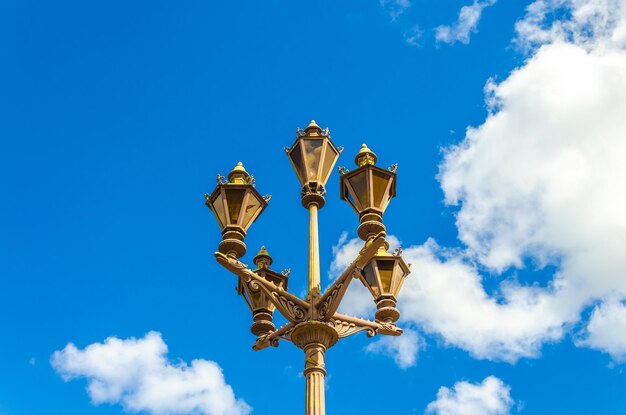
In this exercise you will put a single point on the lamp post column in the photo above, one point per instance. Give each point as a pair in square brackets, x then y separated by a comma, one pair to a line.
[315, 373]
[314, 251]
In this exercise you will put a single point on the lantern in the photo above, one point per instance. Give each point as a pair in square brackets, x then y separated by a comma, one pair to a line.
[368, 189]
[313, 157]
[260, 305]
[236, 204]
[383, 276]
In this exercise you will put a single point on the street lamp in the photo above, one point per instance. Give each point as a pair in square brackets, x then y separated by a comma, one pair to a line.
[313, 323]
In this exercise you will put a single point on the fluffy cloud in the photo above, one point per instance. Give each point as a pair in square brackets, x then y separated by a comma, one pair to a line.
[404, 349]
[469, 16]
[491, 397]
[445, 296]
[605, 330]
[136, 374]
[542, 178]
[541, 181]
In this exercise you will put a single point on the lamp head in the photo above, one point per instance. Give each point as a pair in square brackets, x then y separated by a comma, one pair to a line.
[368, 189]
[236, 205]
[313, 156]
[260, 305]
[384, 276]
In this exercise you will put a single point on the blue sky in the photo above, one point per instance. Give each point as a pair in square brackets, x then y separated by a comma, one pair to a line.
[506, 120]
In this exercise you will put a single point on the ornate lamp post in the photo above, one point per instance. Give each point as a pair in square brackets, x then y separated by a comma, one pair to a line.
[313, 323]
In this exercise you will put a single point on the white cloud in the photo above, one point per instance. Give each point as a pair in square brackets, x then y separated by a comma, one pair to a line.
[395, 8]
[444, 295]
[467, 23]
[590, 23]
[543, 177]
[491, 397]
[606, 329]
[404, 349]
[541, 181]
[136, 374]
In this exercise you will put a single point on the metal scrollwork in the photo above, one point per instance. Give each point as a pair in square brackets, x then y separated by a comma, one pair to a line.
[288, 308]
[254, 286]
[329, 300]
[345, 329]
[221, 179]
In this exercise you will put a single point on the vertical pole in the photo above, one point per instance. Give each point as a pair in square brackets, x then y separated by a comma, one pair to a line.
[314, 372]
[314, 251]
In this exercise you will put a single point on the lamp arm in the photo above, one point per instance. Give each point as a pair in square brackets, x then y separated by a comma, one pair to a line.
[271, 339]
[291, 307]
[350, 323]
[329, 302]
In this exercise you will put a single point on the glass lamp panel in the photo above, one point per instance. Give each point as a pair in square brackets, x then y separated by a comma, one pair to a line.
[242, 291]
[253, 205]
[385, 270]
[330, 158]
[401, 278]
[371, 280]
[256, 299]
[273, 277]
[218, 209]
[359, 185]
[352, 201]
[234, 200]
[298, 161]
[380, 185]
[313, 154]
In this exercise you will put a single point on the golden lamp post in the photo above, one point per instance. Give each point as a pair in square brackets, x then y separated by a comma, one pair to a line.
[313, 323]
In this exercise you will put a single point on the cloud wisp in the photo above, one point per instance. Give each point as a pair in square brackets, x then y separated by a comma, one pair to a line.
[136, 374]
[466, 24]
[395, 8]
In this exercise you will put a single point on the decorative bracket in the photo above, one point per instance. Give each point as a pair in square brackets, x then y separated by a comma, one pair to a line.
[329, 302]
[350, 325]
